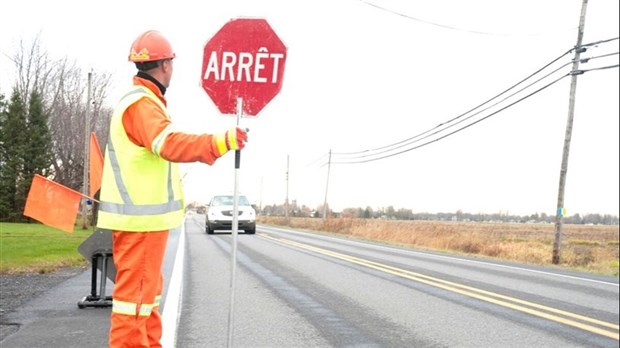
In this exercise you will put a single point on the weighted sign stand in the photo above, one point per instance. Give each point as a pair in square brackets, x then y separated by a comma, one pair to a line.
[97, 248]
[235, 227]
[101, 257]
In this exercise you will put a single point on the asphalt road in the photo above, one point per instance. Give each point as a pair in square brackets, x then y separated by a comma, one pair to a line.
[296, 289]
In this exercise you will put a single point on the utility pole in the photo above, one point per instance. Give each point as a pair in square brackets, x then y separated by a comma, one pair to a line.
[86, 156]
[260, 202]
[559, 216]
[329, 164]
[286, 201]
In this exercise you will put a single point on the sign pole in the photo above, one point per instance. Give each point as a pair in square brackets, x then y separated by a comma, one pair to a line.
[242, 71]
[235, 227]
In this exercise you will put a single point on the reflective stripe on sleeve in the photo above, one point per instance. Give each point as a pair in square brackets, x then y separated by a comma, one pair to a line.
[220, 141]
[159, 140]
[232, 138]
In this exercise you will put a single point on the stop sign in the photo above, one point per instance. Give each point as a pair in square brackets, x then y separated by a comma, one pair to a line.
[244, 59]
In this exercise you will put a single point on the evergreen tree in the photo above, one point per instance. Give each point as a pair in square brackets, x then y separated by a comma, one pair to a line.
[14, 137]
[37, 153]
[4, 208]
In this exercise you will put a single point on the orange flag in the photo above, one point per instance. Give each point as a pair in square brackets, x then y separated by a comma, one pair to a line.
[96, 165]
[52, 204]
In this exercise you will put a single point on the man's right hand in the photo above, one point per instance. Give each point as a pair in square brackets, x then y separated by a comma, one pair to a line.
[233, 139]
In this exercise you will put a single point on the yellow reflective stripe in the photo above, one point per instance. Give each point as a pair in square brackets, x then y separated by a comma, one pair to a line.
[146, 309]
[130, 308]
[220, 141]
[121, 307]
[159, 140]
[232, 139]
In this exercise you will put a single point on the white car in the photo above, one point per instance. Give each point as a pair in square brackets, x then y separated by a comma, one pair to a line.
[220, 214]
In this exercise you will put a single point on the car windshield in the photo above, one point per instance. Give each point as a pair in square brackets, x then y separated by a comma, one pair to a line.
[228, 200]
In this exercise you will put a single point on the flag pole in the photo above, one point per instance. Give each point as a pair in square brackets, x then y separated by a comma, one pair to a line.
[68, 188]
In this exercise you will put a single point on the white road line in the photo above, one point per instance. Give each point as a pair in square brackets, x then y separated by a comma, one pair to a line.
[171, 313]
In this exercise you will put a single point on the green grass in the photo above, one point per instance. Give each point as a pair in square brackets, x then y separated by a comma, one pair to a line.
[33, 247]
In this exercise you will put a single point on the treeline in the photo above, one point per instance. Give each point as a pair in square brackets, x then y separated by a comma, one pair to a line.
[407, 214]
[43, 125]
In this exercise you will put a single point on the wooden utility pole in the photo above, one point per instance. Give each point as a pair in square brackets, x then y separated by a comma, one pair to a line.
[329, 164]
[260, 202]
[86, 156]
[286, 207]
[559, 216]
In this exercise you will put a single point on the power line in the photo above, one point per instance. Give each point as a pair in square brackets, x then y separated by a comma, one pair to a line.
[370, 155]
[320, 158]
[427, 22]
[599, 42]
[449, 124]
[444, 26]
[405, 142]
[601, 68]
[456, 131]
[352, 156]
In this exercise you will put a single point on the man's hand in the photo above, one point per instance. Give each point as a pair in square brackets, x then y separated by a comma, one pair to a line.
[236, 138]
[233, 139]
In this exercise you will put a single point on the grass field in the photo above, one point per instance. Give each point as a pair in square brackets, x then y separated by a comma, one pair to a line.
[584, 248]
[37, 248]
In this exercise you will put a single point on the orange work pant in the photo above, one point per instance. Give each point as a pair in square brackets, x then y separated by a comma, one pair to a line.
[135, 319]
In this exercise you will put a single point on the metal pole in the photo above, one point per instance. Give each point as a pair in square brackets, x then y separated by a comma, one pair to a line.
[86, 156]
[329, 164]
[235, 226]
[559, 216]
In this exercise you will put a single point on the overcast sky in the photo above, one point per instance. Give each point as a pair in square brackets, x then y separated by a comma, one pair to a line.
[361, 75]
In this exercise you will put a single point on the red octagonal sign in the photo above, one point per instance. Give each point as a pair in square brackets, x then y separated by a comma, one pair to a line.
[244, 59]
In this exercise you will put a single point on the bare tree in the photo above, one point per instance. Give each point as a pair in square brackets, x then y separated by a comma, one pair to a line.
[63, 87]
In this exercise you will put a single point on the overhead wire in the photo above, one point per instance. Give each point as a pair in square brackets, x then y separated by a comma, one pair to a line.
[377, 153]
[396, 144]
[601, 68]
[440, 25]
[352, 156]
[318, 159]
[447, 124]
[599, 42]
[444, 26]
[458, 130]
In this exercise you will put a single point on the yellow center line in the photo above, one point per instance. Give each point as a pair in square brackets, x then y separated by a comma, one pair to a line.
[491, 297]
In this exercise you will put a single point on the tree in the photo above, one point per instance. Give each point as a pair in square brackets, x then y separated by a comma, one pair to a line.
[37, 145]
[404, 214]
[13, 140]
[38, 150]
[4, 206]
[62, 88]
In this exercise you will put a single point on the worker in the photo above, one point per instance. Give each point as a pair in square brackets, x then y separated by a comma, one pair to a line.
[141, 195]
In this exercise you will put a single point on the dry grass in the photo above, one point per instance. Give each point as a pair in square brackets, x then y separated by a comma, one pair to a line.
[586, 248]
